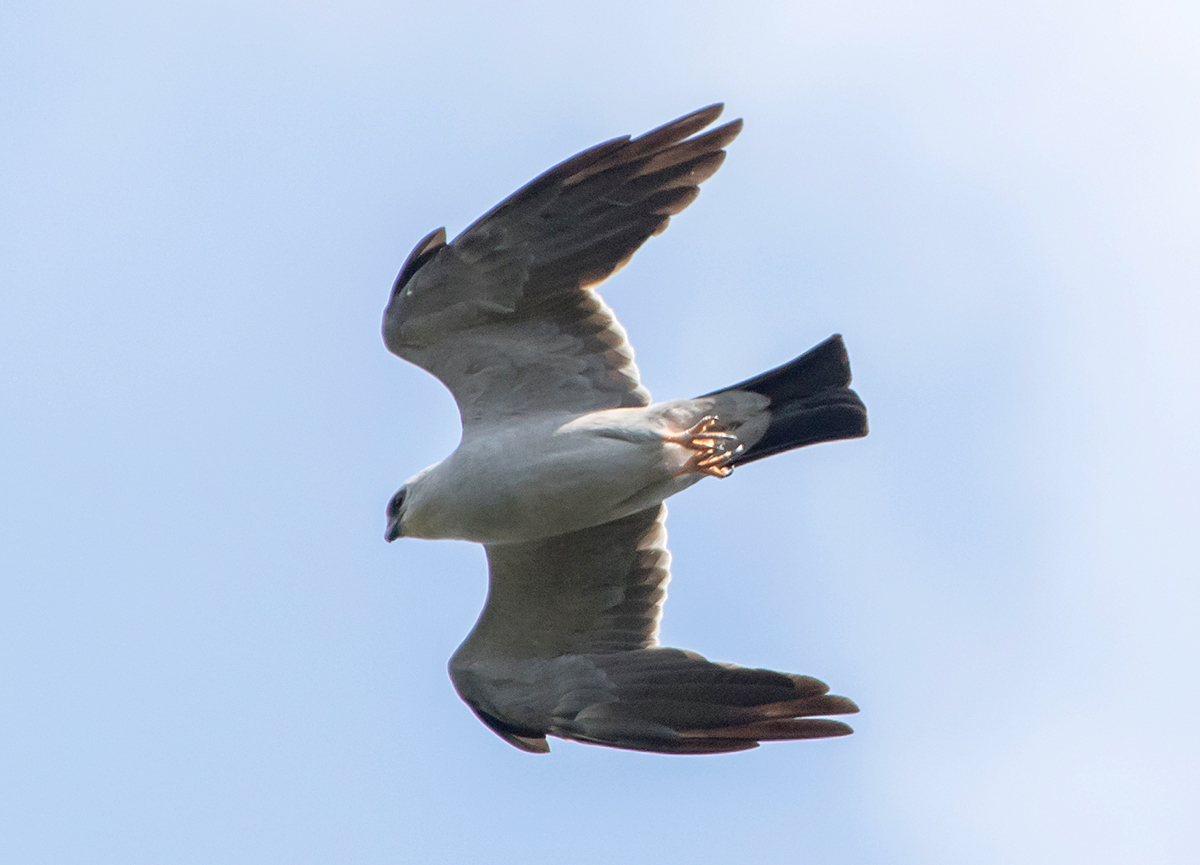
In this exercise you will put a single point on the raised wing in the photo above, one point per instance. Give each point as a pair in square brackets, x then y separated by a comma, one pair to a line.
[567, 646]
[503, 315]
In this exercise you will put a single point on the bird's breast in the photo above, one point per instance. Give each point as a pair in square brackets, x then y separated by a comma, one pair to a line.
[529, 480]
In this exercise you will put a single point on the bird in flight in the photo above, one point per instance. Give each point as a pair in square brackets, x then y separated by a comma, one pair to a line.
[565, 462]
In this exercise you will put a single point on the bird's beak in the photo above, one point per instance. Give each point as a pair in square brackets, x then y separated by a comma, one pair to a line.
[392, 532]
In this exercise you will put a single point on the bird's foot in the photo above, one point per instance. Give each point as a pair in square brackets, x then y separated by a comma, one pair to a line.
[715, 450]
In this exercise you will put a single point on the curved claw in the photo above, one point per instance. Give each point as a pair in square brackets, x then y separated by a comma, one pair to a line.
[713, 448]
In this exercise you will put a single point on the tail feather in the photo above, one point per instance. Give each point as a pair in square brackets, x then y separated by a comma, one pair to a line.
[810, 402]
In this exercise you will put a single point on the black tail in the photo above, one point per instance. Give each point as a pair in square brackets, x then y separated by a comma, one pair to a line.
[810, 402]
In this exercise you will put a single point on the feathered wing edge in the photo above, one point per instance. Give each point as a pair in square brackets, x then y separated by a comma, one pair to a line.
[671, 701]
[565, 646]
[660, 700]
[580, 221]
[584, 219]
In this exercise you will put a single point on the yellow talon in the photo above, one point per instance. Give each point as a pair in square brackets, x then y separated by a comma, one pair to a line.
[714, 450]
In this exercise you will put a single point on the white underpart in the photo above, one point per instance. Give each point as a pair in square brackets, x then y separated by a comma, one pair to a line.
[534, 477]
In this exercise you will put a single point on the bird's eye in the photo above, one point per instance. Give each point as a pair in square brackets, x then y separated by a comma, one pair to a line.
[397, 500]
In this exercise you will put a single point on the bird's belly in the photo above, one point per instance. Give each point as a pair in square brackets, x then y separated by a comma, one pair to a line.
[533, 484]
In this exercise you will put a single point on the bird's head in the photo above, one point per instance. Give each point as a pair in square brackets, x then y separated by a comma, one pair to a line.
[408, 509]
[395, 515]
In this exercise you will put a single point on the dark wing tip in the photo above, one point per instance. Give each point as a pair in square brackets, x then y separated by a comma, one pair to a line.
[680, 128]
[676, 702]
[422, 252]
[533, 741]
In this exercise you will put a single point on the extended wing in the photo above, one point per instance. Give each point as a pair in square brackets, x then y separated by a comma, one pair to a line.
[503, 315]
[567, 646]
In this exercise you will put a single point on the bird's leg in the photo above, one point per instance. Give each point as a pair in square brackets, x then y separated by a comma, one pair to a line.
[714, 450]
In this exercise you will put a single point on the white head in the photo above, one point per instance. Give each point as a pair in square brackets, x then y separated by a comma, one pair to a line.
[395, 515]
[401, 505]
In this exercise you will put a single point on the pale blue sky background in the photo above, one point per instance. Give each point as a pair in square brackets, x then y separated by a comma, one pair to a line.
[207, 652]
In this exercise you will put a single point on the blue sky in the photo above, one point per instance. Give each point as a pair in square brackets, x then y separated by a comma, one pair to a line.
[208, 654]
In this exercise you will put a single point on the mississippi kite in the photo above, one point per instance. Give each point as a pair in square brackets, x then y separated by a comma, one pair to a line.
[565, 462]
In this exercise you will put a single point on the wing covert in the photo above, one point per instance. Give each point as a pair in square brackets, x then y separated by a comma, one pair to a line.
[596, 590]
